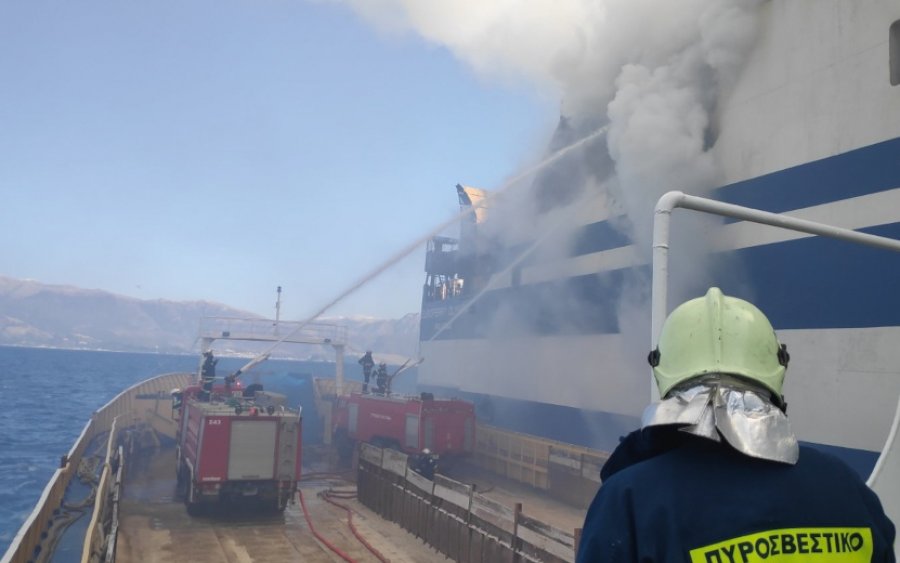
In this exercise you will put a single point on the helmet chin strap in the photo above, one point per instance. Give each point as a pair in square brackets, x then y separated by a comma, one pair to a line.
[721, 407]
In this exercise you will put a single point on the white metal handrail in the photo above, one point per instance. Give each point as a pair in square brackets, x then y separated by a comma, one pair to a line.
[672, 200]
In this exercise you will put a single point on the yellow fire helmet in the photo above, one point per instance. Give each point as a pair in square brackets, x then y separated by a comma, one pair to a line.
[717, 334]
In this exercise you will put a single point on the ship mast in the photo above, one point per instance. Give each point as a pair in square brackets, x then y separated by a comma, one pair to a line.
[277, 308]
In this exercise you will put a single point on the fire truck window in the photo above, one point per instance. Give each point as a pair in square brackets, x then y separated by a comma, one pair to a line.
[429, 433]
[353, 414]
[412, 431]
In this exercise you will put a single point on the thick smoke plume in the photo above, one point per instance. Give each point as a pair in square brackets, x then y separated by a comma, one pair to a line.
[652, 69]
[651, 73]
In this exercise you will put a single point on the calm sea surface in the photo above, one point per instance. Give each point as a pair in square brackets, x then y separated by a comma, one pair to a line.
[49, 395]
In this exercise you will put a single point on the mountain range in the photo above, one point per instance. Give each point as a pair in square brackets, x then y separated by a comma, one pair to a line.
[57, 316]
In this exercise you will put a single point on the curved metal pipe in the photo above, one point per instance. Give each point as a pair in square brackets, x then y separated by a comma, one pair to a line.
[674, 199]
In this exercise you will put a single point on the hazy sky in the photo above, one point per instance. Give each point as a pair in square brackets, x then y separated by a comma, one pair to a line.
[217, 149]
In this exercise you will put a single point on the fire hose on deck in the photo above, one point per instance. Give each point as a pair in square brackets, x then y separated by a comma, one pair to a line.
[325, 495]
[319, 536]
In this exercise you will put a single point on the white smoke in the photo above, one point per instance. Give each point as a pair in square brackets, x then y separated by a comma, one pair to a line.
[652, 69]
[652, 72]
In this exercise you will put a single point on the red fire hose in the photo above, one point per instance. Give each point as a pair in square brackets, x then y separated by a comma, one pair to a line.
[329, 545]
[327, 496]
[321, 538]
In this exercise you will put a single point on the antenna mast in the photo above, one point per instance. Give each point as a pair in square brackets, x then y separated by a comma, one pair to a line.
[278, 307]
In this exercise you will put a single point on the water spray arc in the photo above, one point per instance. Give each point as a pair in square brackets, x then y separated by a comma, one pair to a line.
[492, 283]
[417, 243]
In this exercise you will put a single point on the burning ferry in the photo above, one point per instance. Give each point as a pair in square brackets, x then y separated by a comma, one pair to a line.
[546, 330]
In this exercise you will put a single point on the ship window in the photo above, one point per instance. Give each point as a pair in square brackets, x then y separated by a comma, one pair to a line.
[895, 53]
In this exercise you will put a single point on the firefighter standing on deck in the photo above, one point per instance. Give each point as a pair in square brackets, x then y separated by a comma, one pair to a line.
[716, 475]
[367, 364]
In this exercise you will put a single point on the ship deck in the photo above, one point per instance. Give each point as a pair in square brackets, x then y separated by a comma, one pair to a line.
[537, 503]
[155, 527]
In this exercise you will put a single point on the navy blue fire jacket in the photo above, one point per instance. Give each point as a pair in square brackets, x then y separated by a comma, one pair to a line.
[672, 496]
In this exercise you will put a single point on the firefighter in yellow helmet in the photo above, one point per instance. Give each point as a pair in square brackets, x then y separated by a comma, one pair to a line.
[715, 474]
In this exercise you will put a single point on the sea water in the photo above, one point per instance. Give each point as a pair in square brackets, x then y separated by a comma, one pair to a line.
[48, 397]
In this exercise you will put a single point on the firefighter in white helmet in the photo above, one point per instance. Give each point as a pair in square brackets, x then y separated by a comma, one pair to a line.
[425, 464]
[716, 474]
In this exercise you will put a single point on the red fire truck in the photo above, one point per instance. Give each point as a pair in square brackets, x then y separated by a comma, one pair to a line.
[231, 446]
[446, 427]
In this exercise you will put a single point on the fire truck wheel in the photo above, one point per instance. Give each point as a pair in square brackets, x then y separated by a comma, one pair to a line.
[183, 482]
[193, 508]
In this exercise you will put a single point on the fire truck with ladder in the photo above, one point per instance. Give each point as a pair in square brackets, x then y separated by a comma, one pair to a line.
[235, 442]
[444, 428]
[240, 442]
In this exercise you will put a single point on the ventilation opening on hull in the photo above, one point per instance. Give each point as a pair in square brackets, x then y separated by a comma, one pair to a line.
[894, 57]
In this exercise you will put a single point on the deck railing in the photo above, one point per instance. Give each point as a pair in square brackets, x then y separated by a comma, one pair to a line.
[136, 404]
[570, 472]
[93, 540]
[453, 517]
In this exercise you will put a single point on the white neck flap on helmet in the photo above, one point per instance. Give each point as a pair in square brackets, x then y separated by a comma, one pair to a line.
[717, 406]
